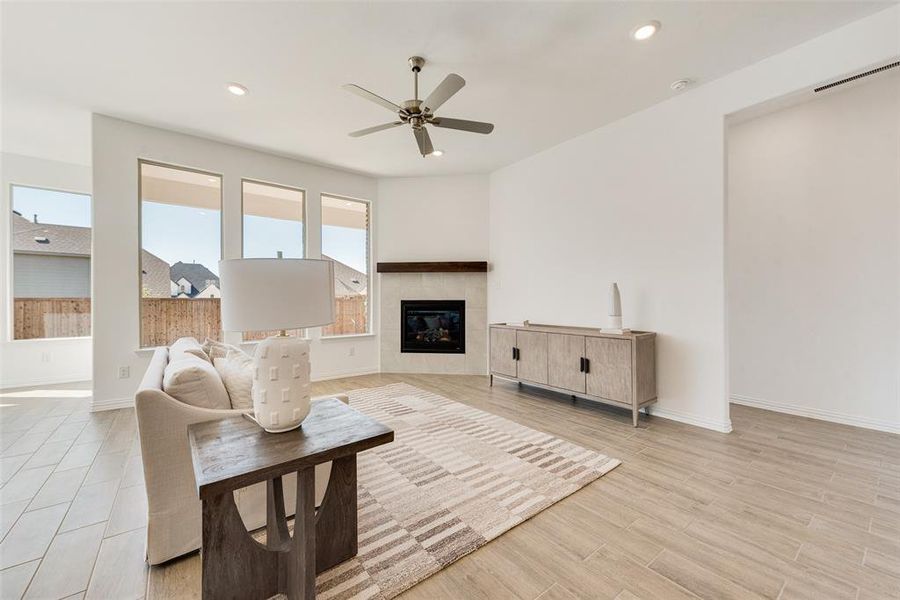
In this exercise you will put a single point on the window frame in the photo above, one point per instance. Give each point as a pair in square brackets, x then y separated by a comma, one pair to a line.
[370, 326]
[304, 333]
[140, 231]
[10, 264]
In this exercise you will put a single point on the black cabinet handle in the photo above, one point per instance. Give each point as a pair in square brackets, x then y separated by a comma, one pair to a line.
[587, 365]
[515, 353]
[581, 365]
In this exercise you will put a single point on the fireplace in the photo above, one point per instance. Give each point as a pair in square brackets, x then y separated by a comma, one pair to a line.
[436, 326]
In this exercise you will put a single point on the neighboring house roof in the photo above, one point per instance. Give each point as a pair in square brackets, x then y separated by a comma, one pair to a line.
[347, 280]
[70, 240]
[195, 273]
[210, 291]
[60, 239]
[155, 276]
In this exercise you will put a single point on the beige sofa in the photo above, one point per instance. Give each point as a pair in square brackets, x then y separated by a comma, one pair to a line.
[173, 526]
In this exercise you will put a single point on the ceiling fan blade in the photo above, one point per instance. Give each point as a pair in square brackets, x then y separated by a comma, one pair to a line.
[364, 93]
[424, 141]
[369, 130]
[451, 84]
[462, 125]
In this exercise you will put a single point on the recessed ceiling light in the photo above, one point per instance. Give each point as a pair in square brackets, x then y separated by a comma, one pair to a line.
[680, 84]
[236, 89]
[437, 153]
[646, 31]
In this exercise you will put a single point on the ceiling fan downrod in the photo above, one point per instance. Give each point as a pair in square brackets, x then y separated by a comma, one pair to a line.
[416, 62]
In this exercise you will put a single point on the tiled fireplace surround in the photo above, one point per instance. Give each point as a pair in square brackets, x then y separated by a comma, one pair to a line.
[471, 287]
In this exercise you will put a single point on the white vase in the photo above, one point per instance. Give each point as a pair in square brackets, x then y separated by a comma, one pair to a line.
[281, 383]
[615, 309]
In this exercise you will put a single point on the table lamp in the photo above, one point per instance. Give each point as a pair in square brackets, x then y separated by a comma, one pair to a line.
[264, 294]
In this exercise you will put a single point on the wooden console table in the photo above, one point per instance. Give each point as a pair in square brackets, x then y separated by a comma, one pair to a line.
[613, 368]
[233, 453]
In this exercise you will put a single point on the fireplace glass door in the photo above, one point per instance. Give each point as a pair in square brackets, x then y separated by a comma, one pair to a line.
[436, 326]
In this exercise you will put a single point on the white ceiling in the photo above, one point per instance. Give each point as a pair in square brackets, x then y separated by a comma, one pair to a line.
[542, 72]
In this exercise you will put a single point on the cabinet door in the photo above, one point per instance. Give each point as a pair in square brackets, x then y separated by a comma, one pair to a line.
[565, 356]
[532, 353]
[609, 368]
[502, 343]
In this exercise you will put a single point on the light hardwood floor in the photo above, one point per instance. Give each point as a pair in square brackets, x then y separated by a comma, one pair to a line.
[783, 507]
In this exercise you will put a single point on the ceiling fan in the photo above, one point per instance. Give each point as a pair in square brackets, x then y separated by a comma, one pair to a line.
[419, 113]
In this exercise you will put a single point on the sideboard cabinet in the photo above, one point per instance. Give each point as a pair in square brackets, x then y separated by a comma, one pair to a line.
[617, 369]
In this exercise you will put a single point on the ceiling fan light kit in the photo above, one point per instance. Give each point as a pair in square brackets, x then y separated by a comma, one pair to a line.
[418, 114]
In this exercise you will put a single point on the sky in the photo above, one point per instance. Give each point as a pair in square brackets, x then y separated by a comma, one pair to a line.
[189, 234]
[61, 208]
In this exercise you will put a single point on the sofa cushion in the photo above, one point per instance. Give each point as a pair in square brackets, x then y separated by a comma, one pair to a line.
[186, 345]
[194, 381]
[236, 370]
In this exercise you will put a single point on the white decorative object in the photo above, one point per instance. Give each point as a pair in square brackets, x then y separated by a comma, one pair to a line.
[261, 294]
[615, 310]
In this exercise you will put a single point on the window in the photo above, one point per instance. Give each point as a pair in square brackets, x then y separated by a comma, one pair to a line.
[345, 240]
[181, 246]
[51, 249]
[274, 225]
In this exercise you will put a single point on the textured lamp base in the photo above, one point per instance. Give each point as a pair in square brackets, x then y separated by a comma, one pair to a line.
[281, 383]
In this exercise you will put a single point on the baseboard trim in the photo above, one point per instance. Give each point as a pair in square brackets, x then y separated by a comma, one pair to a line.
[6, 385]
[111, 404]
[817, 413]
[341, 375]
[690, 419]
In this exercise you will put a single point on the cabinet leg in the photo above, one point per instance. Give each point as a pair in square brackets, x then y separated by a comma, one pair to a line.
[492, 380]
[634, 415]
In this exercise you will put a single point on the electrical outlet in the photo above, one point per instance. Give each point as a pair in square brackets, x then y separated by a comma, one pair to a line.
[124, 372]
[352, 351]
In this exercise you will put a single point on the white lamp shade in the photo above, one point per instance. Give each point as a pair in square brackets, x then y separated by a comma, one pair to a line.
[262, 294]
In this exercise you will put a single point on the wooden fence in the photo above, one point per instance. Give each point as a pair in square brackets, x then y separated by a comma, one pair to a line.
[163, 320]
[51, 318]
[350, 316]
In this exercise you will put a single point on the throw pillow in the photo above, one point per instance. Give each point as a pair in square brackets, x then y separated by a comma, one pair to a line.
[194, 381]
[215, 349]
[236, 370]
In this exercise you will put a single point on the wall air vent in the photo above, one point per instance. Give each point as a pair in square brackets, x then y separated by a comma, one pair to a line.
[828, 86]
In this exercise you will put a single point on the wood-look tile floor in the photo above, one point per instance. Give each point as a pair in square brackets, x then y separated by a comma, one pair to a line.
[783, 507]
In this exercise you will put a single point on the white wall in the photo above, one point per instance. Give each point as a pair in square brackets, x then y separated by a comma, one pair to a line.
[36, 362]
[433, 218]
[814, 256]
[117, 146]
[641, 202]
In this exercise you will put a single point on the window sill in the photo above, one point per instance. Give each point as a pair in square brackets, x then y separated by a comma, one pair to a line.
[50, 339]
[349, 336]
[255, 342]
[148, 349]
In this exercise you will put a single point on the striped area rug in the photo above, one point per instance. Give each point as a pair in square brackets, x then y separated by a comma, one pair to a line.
[453, 479]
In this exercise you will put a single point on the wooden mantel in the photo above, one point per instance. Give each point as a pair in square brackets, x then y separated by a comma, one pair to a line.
[470, 266]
